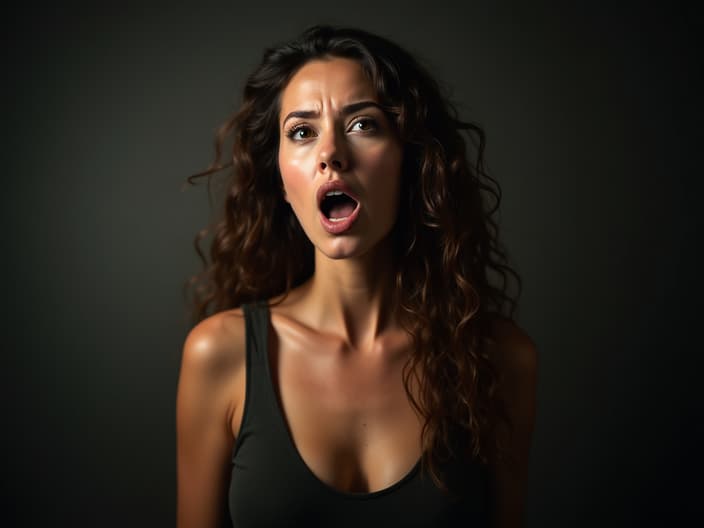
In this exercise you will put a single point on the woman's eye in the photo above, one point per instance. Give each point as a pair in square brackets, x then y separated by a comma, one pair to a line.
[364, 125]
[299, 132]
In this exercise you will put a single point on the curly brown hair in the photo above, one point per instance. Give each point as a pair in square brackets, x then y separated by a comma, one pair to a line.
[445, 241]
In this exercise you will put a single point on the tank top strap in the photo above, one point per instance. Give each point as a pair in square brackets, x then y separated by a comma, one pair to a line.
[260, 417]
[256, 316]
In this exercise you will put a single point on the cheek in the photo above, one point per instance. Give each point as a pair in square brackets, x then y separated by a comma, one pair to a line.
[383, 168]
[294, 174]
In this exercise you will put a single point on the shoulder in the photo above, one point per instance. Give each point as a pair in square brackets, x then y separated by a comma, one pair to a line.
[516, 358]
[514, 353]
[215, 347]
[207, 398]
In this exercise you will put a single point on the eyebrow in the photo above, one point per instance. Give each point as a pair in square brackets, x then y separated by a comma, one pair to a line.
[346, 110]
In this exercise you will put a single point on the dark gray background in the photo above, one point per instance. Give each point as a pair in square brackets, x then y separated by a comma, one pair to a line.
[593, 117]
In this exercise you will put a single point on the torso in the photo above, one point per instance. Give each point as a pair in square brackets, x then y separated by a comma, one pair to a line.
[348, 414]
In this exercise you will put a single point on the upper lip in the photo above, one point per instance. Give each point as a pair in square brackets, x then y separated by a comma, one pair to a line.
[334, 185]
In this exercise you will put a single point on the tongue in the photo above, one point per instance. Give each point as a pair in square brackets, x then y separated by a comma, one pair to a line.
[341, 210]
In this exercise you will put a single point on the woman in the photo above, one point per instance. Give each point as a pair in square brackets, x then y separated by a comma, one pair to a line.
[356, 367]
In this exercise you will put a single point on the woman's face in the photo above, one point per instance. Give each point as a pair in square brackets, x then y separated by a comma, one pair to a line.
[339, 157]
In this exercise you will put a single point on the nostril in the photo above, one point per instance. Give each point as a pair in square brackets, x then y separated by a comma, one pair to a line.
[337, 165]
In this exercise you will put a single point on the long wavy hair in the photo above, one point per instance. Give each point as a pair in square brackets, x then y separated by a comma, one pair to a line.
[445, 241]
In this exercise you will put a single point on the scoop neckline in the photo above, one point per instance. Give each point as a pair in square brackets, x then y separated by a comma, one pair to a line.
[294, 449]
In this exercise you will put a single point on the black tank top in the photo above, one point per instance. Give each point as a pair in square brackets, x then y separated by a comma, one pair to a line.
[271, 485]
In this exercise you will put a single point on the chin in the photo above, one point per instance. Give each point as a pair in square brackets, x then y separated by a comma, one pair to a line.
[341, 249]
[349, 247]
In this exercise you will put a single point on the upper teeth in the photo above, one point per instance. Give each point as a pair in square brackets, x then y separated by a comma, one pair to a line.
[333, 193]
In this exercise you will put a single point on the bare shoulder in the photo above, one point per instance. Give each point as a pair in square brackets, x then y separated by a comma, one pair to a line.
[211, 372]
[514, 351]
[516, 358]
[215, 347]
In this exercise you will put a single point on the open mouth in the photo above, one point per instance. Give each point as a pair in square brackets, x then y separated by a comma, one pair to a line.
[337, 205]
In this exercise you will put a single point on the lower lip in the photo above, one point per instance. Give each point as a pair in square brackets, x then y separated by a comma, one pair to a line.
[337, 228]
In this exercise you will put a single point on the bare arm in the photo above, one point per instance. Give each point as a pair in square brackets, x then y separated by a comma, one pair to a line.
[518, 362]
[212, 359]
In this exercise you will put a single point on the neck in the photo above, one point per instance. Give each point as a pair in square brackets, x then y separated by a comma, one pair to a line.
[353, 297]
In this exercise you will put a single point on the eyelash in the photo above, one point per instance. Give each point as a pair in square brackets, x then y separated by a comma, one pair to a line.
[291, 132]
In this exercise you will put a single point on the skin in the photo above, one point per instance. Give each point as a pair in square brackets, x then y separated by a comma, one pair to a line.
[350, 286]
[336, 349]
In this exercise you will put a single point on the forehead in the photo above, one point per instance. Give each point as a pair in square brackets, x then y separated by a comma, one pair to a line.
[334, 81]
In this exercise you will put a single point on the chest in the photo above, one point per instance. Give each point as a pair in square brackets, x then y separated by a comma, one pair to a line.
[330, 443]
[348, 415]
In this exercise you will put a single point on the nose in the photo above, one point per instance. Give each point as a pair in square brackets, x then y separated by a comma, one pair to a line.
[333, 153]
